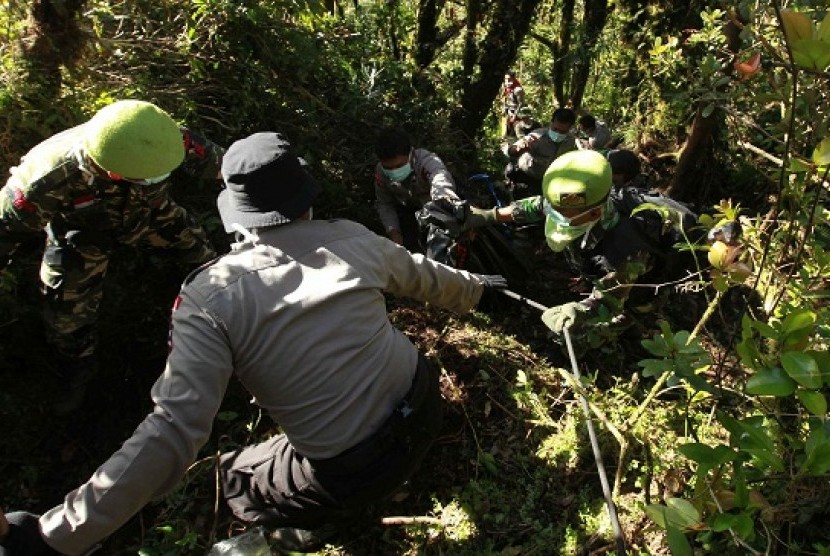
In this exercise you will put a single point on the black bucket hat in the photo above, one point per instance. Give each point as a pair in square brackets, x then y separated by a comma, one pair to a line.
[267, 184]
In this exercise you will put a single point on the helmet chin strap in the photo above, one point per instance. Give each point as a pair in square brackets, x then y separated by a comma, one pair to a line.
[246, 235]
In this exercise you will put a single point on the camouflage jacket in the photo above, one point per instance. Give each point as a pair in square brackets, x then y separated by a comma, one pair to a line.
[612, 261]
[55, 185]
[430, 180]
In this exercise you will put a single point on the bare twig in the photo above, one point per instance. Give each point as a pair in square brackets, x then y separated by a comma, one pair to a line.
[411, 520]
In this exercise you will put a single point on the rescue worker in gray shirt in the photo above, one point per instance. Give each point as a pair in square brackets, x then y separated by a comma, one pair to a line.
[532, 154]
[406, 178]
[297, 312]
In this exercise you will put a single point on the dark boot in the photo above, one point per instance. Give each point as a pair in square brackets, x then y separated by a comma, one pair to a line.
[75, 376]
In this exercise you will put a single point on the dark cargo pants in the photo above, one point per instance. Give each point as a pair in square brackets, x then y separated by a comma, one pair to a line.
[272, 484]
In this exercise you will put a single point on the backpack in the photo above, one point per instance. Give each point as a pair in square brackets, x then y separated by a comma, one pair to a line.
[669, 229]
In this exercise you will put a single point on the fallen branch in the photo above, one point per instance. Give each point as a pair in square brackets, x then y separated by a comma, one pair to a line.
[411, 520]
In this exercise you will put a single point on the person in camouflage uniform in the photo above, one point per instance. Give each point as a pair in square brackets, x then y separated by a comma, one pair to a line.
[607, 247]
[91, 188]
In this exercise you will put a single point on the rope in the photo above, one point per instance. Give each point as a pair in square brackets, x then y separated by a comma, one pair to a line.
[603, 477]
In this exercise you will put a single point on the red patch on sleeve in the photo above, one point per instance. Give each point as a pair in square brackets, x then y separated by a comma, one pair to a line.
[176, 304]
[22, 203]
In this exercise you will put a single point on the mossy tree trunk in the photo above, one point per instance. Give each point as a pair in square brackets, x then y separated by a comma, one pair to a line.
[486, 62]
[595, 15]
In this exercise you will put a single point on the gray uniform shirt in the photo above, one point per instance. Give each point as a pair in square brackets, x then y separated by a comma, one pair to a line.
[430, 180]
[536, 150]
[301, 319]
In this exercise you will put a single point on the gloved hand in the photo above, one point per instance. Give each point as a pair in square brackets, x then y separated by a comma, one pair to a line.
[564, 316]
[24, 538]
[496, 281]
[478, 218]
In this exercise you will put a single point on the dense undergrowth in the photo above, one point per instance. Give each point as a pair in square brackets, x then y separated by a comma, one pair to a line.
[713, 431]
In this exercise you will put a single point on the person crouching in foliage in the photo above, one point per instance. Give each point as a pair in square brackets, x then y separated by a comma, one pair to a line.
[626, 170]
[606, 242]
[531, 155]
[93, 187]
[405, 179]
[296, 311]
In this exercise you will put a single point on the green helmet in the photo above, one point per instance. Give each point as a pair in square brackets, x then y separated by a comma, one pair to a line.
[134, 139]
[577, 179]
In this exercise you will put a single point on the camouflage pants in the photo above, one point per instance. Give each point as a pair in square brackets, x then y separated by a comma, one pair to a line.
[74, 266]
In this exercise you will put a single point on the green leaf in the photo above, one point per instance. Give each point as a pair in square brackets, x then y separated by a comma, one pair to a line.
[802, 368]
[763, 328]
[707, 110]
[813, 401]
[678, 543]
[821, 154]
[741, 524]
[750, 435]
[822, 359]
[698, 452]
[681, 512]
[657, 346]
[817, 461]
[707, 456]
[227, 416]
[657, 513]
[823, 30]
[798, 320]
[770, 381]
[655, 367]
[797, 25]
[489, 462]
[815, 53]
[699, 383]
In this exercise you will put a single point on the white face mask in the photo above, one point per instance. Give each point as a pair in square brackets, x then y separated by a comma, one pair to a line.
[559, 232]
[149, 181]
[558, 236]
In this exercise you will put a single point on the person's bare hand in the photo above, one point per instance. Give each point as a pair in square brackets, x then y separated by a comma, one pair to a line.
[396, 236]
[4, 525]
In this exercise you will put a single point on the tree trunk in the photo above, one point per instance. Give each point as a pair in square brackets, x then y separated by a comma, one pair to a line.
[510, 24]
[427, 35]
[697, 155]
[468, 62]
[561, 49]
[595, 17]
[429, 39]
[694, 159]
[54, 40]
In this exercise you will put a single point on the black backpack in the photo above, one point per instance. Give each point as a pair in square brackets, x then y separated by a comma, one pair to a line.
[669, 229]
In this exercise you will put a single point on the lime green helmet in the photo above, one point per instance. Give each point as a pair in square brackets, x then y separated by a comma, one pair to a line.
[577, 179]
[134, 139]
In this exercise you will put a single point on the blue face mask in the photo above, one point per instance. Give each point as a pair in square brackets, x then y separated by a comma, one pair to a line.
[397, 174]
[556, 137]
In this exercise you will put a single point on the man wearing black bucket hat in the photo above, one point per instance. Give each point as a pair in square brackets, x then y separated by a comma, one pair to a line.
[296, 311]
